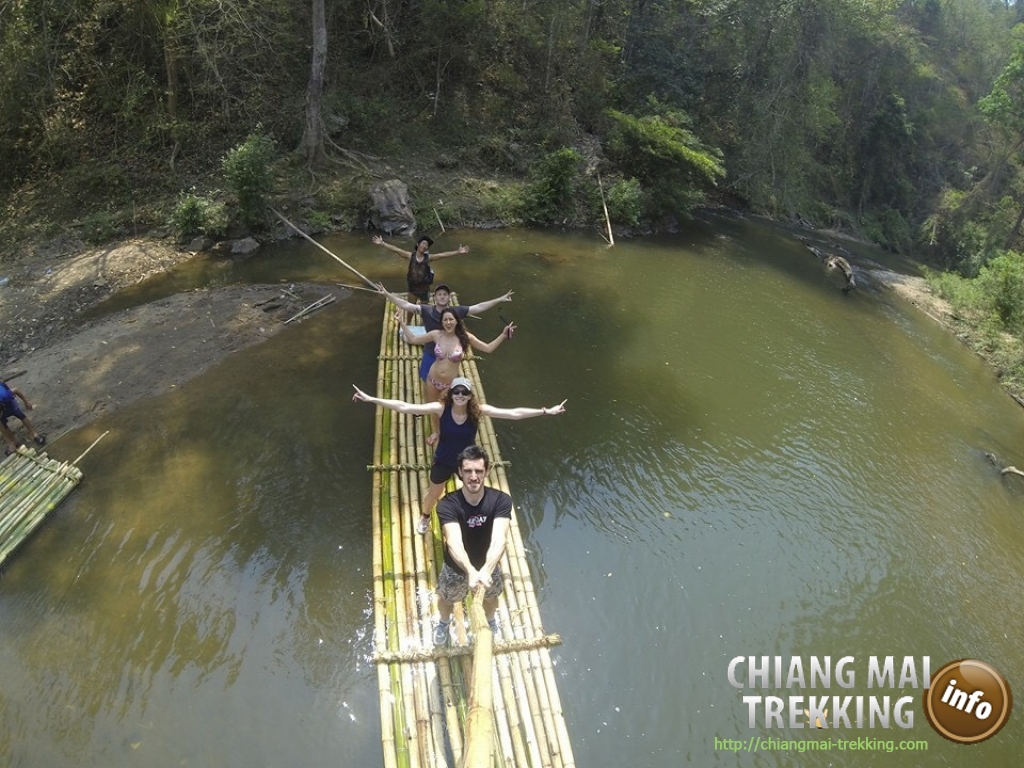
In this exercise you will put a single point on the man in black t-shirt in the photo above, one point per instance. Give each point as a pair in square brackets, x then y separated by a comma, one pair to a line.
[475, 521]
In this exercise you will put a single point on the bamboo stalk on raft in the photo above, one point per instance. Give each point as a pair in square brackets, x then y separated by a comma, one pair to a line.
[413, 625]
[383, 587]
[429, 725]
[479, 722]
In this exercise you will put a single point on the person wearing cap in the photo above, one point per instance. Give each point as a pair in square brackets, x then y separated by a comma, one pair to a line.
[431, 316]
[420, 275]
[459, 412]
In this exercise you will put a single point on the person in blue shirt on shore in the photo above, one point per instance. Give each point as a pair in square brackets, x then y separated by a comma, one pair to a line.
[9, 407]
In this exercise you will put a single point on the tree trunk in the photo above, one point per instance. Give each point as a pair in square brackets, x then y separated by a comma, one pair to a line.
[1015, 232]
[173, 88]
[313, 135]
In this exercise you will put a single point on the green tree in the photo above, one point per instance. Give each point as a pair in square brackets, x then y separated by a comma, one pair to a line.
[247, 169]
[672, 165]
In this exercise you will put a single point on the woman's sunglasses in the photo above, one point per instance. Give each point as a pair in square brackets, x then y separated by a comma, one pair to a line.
[461, 391]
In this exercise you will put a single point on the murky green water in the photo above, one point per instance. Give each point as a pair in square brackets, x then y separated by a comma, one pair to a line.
[752, 464]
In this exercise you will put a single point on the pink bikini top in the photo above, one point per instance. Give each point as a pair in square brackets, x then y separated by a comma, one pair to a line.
[455, 357]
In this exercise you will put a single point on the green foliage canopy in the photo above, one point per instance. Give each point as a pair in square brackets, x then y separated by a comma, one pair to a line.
[665, 157]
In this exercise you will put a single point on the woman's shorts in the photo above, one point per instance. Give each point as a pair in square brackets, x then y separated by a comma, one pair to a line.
[441, 473]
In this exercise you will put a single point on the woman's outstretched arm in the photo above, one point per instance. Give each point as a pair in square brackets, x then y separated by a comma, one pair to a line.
[410, 338]
[520, 413]
[417, 409]
[490, 346]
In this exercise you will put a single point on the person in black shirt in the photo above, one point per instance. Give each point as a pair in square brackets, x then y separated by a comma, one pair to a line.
[475, 521]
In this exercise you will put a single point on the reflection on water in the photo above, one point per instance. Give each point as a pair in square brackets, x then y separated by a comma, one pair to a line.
[752, 464]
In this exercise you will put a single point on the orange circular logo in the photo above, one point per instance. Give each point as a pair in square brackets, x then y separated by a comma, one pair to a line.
[969, 701]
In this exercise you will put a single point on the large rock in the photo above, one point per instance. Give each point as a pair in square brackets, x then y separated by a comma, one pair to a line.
[391, 212]
[244, 247]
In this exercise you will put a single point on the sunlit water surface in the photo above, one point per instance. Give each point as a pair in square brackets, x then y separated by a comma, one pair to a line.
[751, 464]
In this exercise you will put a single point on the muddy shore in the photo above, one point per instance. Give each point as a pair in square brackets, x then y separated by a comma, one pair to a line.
[74, 371]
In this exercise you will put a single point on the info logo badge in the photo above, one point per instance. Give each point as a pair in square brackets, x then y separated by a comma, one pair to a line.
[969, 701]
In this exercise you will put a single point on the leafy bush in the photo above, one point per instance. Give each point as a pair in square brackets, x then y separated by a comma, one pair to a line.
[195, 213]
[247, 168]
[504, 202]
[550, 191]
[100, 227]
[962, 293]
[625, 201]
[1001, 282]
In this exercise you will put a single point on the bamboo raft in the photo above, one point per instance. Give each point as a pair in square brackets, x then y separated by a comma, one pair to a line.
[424, 692]
[31, 486]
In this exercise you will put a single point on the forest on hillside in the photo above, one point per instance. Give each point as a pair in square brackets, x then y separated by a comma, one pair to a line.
[899, 120]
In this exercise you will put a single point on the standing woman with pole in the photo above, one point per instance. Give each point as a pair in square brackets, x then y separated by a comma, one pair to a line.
[420, 275]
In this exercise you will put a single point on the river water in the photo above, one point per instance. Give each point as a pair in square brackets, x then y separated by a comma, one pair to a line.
[752, 464]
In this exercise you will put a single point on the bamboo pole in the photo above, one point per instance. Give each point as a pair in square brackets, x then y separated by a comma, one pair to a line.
[407, 701]
[479, 723]
[385, 673]
[607, 218]
[429, 724]
[507, 702]
[401, 677]
[352, 269]
[357, 288]
[91, 446]
[318, 304]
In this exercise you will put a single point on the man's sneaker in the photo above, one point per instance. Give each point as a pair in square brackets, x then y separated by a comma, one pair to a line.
[441, 632]
[422, 525]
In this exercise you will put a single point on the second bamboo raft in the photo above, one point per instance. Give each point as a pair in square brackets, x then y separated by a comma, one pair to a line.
[424, 691]
[31, 486]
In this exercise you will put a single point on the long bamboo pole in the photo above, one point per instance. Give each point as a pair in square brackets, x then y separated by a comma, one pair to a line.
[407, 701]
[414, 623]
[349, 267]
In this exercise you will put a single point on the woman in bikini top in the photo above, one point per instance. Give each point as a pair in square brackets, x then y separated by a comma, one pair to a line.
[450, 346]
